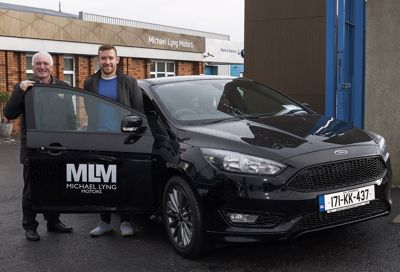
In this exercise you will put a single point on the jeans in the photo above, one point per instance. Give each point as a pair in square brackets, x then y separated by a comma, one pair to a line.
[106, 217]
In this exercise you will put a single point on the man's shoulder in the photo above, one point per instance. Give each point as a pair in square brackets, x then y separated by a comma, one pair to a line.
[127, 78]
[61, 82]
[90, 78]
[16, 85]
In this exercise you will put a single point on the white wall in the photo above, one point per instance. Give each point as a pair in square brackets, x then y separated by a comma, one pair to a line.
[224, 51]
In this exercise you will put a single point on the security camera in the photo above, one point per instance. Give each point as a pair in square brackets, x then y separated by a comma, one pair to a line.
[207, 54]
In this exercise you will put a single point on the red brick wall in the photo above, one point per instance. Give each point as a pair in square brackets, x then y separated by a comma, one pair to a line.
[13, 70]
[3, 75]
[58, 66]
[184, 68]
[199, 68]
[3, 72]
[123, 65]
[137, 68]
[83, 69]
[85, 66]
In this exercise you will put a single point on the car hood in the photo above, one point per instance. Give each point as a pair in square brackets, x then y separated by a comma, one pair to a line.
[279, 136]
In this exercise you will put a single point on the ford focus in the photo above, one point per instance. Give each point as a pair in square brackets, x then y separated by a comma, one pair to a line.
[216, 157]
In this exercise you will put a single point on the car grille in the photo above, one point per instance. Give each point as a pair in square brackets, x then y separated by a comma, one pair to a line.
[322, 220]
[268, 220]
[338, 174]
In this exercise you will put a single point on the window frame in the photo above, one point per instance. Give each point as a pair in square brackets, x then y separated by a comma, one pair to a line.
[166, 73]
[28, 71]
[70, 72]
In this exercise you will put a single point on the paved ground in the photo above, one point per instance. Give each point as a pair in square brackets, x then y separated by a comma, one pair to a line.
[368, 246]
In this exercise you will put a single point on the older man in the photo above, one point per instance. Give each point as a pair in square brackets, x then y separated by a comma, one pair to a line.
[42, 64]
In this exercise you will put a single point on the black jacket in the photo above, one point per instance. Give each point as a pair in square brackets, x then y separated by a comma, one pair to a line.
[128, 91]
[16, 107]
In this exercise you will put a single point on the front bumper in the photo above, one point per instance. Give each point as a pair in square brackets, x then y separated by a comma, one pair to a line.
[289, 228]
[283, 213]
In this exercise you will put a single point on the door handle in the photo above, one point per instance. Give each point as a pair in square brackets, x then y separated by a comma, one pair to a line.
[54, 150]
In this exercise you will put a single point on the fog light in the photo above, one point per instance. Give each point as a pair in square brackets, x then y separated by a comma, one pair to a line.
[242, 218]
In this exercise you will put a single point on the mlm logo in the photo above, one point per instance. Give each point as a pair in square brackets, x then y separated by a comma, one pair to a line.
[91, 173]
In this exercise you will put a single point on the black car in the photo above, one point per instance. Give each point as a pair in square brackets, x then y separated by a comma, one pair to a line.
[220, 157]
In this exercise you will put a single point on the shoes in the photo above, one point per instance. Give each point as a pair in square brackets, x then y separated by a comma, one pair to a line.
[58, 227]
[101, 229]
[127, 229]
[32, 235]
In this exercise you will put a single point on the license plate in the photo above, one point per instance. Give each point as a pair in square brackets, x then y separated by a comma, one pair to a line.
[346, 199]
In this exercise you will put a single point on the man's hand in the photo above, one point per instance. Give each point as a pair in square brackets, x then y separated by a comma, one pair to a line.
[25, 84]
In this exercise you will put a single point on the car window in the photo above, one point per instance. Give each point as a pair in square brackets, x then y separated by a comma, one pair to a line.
[58, 108]
[199, 100]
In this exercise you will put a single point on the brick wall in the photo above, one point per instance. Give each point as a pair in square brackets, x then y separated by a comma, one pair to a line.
[58, 66]
[83, 69]
[3, 72]
[13, 70]
[184, 68]
[137, 68]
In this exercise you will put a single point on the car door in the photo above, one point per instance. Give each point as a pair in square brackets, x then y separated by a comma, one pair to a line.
[80, 160]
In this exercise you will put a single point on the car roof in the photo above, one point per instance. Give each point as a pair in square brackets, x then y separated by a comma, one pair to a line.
[165, 80]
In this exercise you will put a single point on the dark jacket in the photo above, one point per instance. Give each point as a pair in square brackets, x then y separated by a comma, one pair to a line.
[16, 107]
[128, 91]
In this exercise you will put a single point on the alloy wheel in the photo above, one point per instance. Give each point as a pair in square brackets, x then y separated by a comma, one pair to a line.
[179, 216]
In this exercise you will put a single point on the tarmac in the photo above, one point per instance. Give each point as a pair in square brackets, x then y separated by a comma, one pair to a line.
[373, 245]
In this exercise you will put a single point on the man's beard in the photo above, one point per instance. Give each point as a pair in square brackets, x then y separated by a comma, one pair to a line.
[106, 70]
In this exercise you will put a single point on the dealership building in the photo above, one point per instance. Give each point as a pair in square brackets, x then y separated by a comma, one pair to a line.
[146, 50]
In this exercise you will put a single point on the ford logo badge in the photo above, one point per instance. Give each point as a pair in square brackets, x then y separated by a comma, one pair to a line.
[341, 152]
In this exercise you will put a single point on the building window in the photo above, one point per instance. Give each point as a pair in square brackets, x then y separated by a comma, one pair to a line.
[69, 70]
[162, 69]
[29, 71]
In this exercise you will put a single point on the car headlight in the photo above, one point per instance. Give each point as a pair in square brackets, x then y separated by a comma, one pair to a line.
[241, 163]
[381, 143]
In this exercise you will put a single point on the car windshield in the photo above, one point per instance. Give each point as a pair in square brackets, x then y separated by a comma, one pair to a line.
[223, 99]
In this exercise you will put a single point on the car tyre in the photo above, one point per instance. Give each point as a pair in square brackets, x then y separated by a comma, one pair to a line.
[183, 219]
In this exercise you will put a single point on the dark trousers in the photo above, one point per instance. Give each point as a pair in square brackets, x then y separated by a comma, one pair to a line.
[29, 216]
[106, 217]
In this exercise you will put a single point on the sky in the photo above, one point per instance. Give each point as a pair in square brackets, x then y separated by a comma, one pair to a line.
[217, 16]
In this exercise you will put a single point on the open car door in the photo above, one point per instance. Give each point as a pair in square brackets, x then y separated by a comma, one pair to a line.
[87, 153]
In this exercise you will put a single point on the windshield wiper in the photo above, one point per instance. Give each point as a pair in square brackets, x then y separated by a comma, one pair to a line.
[256, 116]
[224, 120]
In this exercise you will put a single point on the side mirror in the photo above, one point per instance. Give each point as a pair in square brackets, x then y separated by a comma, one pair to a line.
[131, 123]
[305, 105]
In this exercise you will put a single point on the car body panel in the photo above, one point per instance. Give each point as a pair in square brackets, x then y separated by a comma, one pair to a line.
[88, 158]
